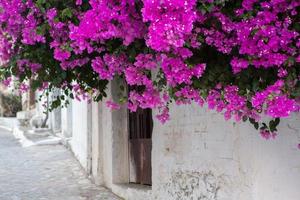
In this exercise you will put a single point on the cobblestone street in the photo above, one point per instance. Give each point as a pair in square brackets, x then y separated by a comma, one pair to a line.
[43, 173]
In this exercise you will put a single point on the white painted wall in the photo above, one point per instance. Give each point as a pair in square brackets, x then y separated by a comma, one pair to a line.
[55, 115]
[198, 154]
[80, 130]
[114, 141]
[195, 155]
[40, 108]
[66, 121]
[97, 144]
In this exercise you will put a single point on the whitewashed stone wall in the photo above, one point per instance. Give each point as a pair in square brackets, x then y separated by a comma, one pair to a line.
[74, 123]
[197, 155]
[55, 115]
[80, 131]
[66, 121]
[114, 141]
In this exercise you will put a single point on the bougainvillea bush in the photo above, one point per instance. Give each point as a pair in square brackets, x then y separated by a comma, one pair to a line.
[240, 58]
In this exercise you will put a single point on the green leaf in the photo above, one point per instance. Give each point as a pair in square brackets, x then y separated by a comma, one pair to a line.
[67, 13]
[273, 124]
[255, 124]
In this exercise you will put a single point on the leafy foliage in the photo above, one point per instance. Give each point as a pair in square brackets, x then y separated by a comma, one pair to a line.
[241, 57]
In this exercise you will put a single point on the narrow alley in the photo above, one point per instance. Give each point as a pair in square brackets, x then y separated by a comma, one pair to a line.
[43, 173]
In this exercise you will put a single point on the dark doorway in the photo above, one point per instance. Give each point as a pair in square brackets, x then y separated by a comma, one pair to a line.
[140, 146]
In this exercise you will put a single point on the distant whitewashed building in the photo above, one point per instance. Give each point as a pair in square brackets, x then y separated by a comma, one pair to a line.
[196, 155]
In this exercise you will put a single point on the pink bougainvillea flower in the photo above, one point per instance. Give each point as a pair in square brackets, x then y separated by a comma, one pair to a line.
[61, 55]
[241, 63]
[112, 105]
[266, 134]
[163, 116]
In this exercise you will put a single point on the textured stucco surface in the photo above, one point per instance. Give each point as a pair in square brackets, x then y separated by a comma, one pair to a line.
[79, 141]
[198, 155]
[43, 173]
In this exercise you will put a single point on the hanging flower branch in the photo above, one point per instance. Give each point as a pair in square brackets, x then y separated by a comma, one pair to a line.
[241, 58]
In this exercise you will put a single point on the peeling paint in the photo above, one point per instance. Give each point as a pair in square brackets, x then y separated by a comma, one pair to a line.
[193, 185]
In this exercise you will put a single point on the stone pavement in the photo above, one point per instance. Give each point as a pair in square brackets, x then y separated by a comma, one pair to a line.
[43, 173]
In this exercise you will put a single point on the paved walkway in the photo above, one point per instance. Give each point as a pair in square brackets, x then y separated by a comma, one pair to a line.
[43, 173]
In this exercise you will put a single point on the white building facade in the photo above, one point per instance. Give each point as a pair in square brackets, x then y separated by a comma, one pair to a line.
[196, 155]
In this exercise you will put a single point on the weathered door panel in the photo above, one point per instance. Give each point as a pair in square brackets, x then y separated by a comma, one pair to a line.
[140, 146]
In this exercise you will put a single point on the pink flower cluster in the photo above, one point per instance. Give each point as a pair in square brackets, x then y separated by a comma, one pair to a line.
[18, 25]
[177, 72]
[159, 49]
[187, 94]
[266, 134]
[233, 104]
[26, 64]
[29, 33]
[266, 39]
[109, 66]
[171, 22]
[108, 20]
[277, 103]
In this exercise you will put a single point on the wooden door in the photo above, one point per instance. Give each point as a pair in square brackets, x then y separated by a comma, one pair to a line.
[140, 146]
